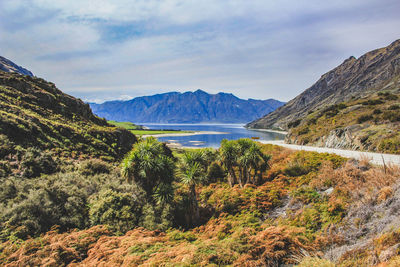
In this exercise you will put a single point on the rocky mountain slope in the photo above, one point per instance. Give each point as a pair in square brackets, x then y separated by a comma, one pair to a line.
[9, 66]
[188, 107]
[355, 78]
[34, 113]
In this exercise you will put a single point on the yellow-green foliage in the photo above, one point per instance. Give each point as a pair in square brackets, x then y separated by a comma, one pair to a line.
[238, 226]
[378, 116]
[314, 262]
[35, 113]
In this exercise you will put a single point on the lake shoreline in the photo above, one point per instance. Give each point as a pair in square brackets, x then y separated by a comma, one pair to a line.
[183, 134]
[268, 130]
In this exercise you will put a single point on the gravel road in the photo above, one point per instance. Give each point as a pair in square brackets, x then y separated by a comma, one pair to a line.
[375, 158]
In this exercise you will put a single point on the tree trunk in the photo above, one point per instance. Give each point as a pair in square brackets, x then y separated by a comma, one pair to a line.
[195, 206]
[240, 177]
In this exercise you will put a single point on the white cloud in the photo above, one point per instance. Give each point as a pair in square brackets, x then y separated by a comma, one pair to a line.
[257, 49]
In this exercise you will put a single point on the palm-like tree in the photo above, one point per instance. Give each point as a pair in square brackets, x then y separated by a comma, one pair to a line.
[193, 167]
[245, 155]
[150, 167]
[229, 154]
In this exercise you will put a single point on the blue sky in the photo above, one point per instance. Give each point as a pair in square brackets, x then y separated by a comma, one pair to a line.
[101, 50]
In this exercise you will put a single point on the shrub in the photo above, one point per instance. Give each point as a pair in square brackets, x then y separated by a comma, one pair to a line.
[118, 210]
[215, 172]
[388, 95]
[390, 145]
[94, 166]
[394, 107]
[177, 235]
[392, 116]
[295, 170]
[372, 102]
[315, 261]
[364, 118]
[5, 169]
[35, 162]
[377, 111]
[312, 121]
[294, 124]
[304, 130]
[52, 203]
[6, 146]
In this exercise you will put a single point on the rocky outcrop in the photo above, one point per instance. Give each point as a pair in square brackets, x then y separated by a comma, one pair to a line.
[188, 107]
[9, 66]
[341, 138]
[354, 78]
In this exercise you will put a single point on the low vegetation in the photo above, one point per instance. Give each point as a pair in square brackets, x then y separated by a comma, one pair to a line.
[35, 114]
[245, 204]
[369, 124]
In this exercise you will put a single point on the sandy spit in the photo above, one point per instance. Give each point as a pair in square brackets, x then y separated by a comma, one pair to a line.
[182, 134]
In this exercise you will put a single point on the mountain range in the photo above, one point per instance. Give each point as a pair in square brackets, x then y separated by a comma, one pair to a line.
[354, 106]
[188, 107]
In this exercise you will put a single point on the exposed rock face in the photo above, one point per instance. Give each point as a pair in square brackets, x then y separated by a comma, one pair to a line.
[189, 107]
[342, 138]
[374, 71]
[9, 66]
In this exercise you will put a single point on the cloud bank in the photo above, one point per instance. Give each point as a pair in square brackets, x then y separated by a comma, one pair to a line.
[101, 50]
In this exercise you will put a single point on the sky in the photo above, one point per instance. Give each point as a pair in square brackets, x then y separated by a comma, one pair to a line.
[101, 50]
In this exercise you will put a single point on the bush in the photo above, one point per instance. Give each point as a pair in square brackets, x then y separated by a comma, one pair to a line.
[304, 130]
[372, 102]
[391, 116]
[377, 111]
[364, 118]
[294, 124]
[295, 170]
[394, 107]
[52, 203]
[5, 169]
[35, 162]
[118, 210]
[177, 235]
[93, 167]
[388, 96]
[6, 146]
[215, 172]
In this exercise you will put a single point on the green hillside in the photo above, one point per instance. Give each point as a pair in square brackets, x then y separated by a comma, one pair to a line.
[34, 113]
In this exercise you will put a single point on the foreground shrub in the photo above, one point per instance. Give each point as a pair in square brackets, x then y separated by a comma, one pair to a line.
[94, 166]
[35, 162]
[118, 210]
[215, 172]
[364, 118]
[315, 261]
[54, 203]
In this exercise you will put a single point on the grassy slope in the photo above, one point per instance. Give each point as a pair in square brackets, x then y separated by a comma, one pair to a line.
[34, 113]
[374, 123]
[138, 130]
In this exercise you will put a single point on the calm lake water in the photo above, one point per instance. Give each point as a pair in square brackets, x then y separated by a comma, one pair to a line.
[232, 132]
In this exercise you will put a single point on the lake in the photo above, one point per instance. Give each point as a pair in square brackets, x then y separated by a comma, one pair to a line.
[230, 131]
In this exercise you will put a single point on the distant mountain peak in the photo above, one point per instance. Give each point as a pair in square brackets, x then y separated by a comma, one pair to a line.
[199, 91]
[9, 66]
[188, 107]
